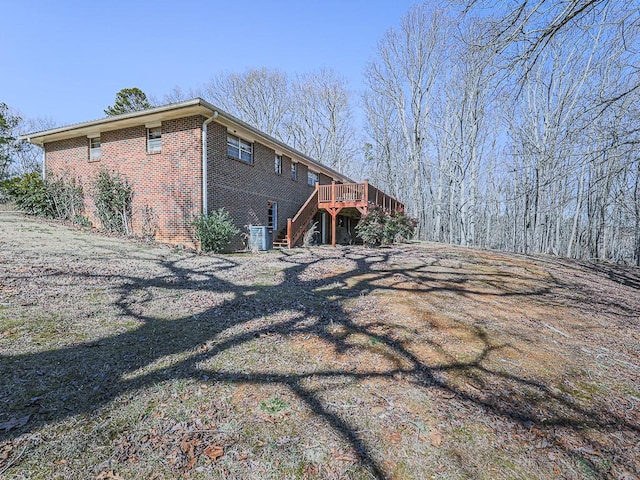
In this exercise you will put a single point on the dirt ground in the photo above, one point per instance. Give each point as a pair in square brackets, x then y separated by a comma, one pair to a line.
[123, 360]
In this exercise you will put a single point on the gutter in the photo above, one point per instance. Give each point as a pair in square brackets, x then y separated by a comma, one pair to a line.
[228, 118]
[44, 163]
[44, 157]
[205, 186]
[196, 106]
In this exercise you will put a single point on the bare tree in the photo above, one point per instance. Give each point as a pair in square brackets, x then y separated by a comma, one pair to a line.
[175, 95]
[261, 97]
[520, 132]
[18, 157]
[404, 73]
[321, 124]
[311, 112]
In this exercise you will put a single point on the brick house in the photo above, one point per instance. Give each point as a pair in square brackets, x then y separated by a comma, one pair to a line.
[191, 157]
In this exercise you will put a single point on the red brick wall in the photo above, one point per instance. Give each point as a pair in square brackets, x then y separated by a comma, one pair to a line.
[169, 182]
[245, 189]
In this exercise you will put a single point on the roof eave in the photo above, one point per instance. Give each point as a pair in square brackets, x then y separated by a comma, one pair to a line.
[277, 143]
[196, 106]
[115, 122]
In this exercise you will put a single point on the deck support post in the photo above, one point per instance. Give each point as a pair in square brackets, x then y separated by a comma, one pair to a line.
[333, 211]
[366, 193]
[334, 229]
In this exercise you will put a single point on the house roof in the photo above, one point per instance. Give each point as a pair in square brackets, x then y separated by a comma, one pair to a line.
[196, 106]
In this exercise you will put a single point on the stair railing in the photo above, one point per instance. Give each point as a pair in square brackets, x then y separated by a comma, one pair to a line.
[297, 225]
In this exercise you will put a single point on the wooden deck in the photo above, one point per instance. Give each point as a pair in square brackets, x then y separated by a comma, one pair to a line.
[356, 195]
[334, 198]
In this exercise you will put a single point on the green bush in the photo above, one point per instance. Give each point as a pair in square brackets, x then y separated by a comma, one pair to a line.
[29, 193]
[113, 197]
[214, 231]
[371, 227]
[399, 227]
[58, 197]
[381, 228]
[66, 197]
[81, 221]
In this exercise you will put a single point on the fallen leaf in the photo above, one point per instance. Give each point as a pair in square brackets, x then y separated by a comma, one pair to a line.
[6, 451]
[14, 423]
[62, 461]
[188, 446]
[344, 458]
[395, 437]
[341, 457]
[108, 475]
[214, 452]
[172, 458]
[435, 437]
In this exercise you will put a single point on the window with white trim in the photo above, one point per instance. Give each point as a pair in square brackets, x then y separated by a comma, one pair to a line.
[312, 178]
[278, 164]
[94, 148]
[154, 140]
[238, 148]
[294, 171]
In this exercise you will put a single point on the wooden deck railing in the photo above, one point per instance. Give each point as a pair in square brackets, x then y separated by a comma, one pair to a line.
[342, 192]
[297, 225]
[387, 202]
[357, 194]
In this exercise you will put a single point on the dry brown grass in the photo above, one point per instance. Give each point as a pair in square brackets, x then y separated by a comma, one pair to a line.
[126, 360]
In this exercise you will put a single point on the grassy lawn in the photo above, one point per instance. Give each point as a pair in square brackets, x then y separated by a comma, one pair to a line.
[125, 360]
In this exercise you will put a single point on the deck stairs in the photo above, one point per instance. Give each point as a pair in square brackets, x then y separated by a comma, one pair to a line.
[333, 198]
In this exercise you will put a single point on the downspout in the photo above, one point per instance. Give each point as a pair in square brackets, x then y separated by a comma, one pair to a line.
[44, 160]
[205, 200]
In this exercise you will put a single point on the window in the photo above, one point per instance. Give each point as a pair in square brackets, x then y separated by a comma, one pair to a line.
[272, 216]
[94, 148]
[238, 148]
[154, 140]
[312, 178]
[278, 164]
[294, 171]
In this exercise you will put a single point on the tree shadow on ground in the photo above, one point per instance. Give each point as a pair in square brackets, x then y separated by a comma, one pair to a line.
[84, 377]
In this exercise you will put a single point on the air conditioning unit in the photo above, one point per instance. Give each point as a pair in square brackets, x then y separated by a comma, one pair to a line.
[260, 238]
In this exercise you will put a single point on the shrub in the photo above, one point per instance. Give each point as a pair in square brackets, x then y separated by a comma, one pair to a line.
[113, 197]
[149, 222]
[29, 193]
[81, 221]
[380, 228]
[310, 235]
[58, 197]
[65, 197]
[371, 227]
[215, 230]
[399, 227]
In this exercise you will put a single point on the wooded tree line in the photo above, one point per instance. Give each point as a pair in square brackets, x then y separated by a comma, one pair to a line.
[17, 157]
[518, 133]
[311, 112]
[511, 125]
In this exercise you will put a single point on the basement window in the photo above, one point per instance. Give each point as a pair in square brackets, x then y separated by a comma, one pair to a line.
[154, 140]
[278, 165]
[238, 148]
[94, 148]
[312, 178]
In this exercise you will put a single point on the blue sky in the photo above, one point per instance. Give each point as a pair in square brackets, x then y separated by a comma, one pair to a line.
[67, 59]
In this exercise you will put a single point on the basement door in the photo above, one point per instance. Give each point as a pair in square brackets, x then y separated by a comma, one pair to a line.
[272, 216]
